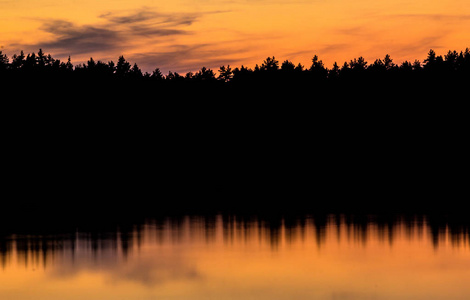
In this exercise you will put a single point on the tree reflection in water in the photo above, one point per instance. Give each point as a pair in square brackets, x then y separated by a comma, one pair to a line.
[116, 242]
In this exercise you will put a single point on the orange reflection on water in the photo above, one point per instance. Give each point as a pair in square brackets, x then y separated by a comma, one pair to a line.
[230, 258]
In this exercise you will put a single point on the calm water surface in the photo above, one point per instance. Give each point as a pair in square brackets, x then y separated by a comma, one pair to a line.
[228, 257]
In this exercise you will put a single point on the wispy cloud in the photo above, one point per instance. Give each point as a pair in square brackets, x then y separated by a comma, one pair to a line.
[422, 45]
[70, 38]
[121, 32]
[152, 17]
[135, 17]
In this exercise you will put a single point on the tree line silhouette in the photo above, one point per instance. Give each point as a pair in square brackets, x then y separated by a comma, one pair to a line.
[453, 65]
[272, 140]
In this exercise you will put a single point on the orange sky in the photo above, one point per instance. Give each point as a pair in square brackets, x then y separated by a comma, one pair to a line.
[184, 35]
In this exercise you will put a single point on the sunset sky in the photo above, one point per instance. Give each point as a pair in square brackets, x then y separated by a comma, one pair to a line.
[184, 35]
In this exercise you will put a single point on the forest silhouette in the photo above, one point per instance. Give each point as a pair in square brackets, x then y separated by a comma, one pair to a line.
[436, 76]
[379, 136]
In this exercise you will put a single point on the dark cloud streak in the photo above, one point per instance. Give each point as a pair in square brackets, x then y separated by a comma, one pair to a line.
[119, 33]
[150, 31]
[133, 18]
[73, 39]
[152, 17]
[115, 34]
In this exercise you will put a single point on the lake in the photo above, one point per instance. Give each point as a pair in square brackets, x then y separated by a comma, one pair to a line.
[226, 256]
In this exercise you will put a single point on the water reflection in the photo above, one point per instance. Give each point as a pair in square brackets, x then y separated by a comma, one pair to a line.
[116, 244]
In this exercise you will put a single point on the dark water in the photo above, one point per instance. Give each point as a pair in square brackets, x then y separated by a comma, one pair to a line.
[224, 256]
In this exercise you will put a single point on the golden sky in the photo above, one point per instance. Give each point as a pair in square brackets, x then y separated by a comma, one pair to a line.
[184, 35]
